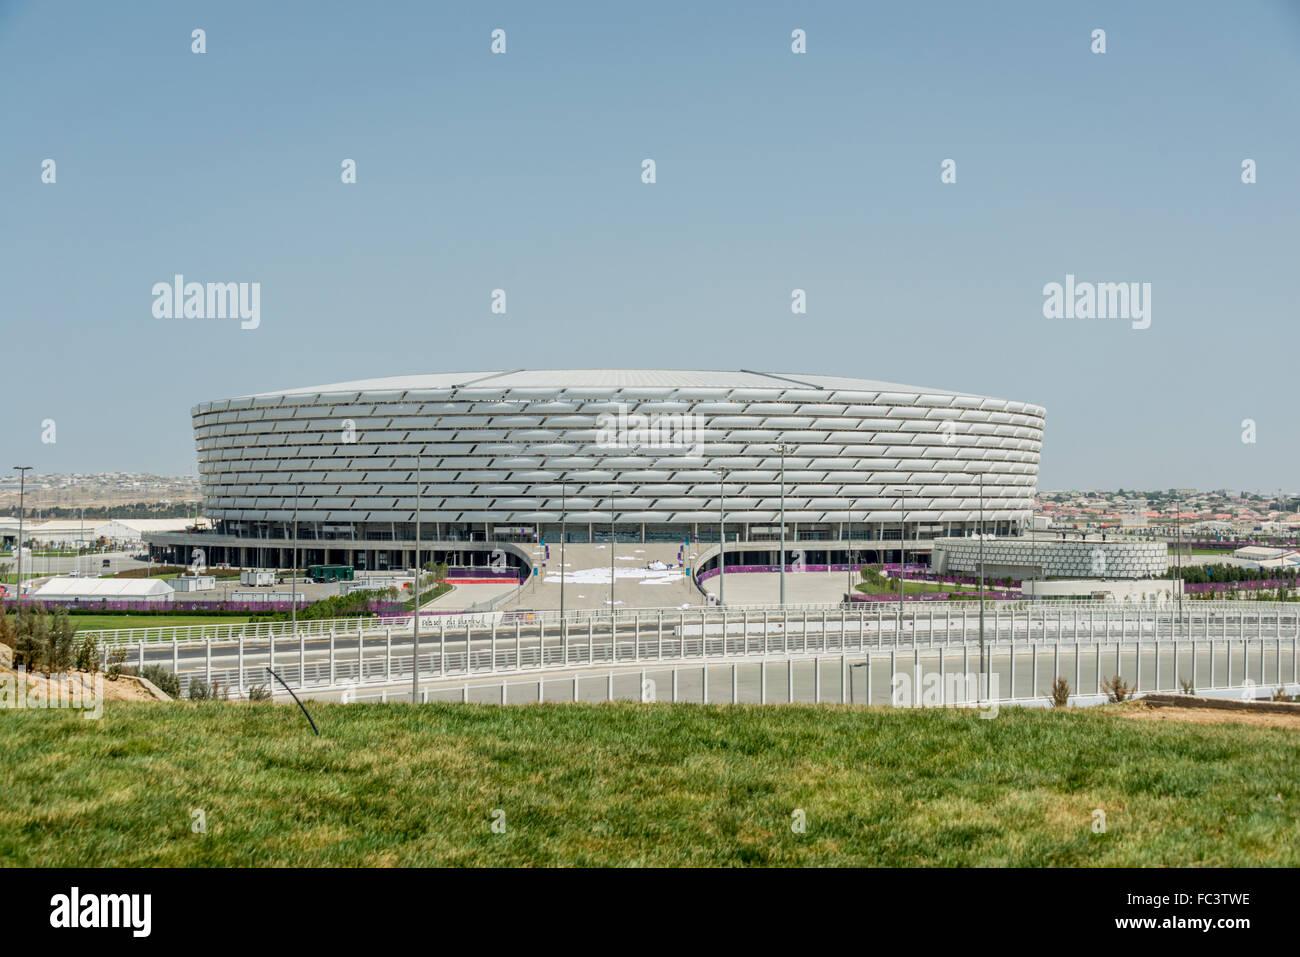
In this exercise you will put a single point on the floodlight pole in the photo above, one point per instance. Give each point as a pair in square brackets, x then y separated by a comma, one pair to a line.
[22, 471]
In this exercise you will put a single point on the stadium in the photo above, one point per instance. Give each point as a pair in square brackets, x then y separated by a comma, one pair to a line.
[511, 458]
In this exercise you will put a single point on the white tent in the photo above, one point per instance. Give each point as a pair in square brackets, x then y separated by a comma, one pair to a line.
[104, 589]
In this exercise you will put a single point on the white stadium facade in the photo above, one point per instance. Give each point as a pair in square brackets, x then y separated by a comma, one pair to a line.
[510, 458]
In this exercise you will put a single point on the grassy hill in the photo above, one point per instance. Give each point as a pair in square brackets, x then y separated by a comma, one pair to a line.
[630, 784]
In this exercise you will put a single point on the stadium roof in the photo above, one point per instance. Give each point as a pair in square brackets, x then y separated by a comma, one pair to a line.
[613, 379]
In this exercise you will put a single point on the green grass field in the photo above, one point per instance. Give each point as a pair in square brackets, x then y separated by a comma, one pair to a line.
[630, 784]
[88, 622]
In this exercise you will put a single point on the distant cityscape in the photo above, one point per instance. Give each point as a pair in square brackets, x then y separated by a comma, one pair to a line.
[144, 494]
[1222, 511]
[101, 494]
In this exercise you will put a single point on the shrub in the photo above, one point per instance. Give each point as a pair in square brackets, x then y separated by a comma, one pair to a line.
[116, 660]
[62, 639]
[1186, 686]
[1115, 689]
[259, 693]
[1059, 696]
[200, 690]
[8, 630]
[164, 680]
[86, 657]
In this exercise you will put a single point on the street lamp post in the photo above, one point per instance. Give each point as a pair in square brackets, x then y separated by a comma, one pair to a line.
[611, 552]
[722, 537]
[981, 534]
[22, 471]
[415, 617]
[782, 449]
[564, 504]
[848, 542]
[902, 547]
[293, 576]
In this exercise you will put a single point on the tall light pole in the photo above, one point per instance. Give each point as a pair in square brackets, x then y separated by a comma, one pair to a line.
[611, 551]
[415, 618]
[293, 577]
[22, 471]
[564, 484]
[848, 537]
[1178, 552]
[902, 491]
[722, 537]
[782, 449]
[981, 534]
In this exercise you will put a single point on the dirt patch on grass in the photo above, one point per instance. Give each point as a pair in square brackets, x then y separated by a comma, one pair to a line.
[123, 689]
[1145, 712]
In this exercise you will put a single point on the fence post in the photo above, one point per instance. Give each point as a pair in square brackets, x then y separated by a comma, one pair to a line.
[789, 667]
[442, 649]
[332, 670]
[302, 659]
[943, 675]
[866, 670]
[609, 694]
[141, 657]
[817, 679]
[208, 656]
[659, 637]
[241, 665]
[762, 682]
[735, 686]
[176, 658]
[388, 653]
[704, 676]
[493, 651]
[844, 682]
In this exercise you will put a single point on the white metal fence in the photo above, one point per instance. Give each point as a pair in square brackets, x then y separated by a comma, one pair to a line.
[994, 610]
[320, 658]
[943, 677]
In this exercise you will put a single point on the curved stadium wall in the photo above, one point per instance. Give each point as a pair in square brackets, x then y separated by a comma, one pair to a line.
[502, 454]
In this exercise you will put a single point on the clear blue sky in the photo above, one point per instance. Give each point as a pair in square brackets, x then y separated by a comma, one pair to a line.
[775, 172]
